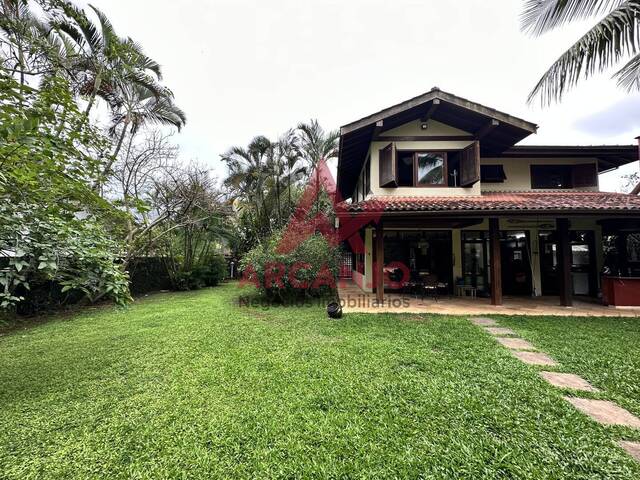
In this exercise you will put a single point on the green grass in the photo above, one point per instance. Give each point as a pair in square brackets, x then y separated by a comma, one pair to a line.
[190, 385]
[604, 351]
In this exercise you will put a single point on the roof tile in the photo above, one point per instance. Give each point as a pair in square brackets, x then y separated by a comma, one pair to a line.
[501, 201]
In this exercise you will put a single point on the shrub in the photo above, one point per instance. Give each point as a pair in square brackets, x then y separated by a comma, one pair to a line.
[310, 269]
[209, 274]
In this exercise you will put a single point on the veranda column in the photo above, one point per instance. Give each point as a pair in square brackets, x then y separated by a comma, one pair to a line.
[496, 261]
[564, 262]
[379, 263]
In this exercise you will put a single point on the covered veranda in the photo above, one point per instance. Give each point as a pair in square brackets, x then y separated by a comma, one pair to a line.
[556, 239]
[355, 300]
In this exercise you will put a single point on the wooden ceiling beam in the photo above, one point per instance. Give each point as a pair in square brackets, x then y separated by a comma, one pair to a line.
[432, 109]
[487, 129]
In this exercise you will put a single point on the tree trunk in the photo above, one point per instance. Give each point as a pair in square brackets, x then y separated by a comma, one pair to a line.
[96, 88]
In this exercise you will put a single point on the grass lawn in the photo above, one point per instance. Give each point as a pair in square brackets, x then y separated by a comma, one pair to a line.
[605, 351]
[190, 385]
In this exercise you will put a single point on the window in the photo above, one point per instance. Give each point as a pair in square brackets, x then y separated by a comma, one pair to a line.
[492, 174]
[421, 169]
[550, 176]
[405, 169]
[431, 168]
[564, 176]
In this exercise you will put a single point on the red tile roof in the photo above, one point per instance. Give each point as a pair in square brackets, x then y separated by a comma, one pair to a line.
[502, 201]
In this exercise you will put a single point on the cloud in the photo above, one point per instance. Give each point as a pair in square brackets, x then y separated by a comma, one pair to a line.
[621, 117]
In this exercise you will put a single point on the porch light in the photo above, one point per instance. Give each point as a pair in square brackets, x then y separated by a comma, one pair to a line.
[424, 125]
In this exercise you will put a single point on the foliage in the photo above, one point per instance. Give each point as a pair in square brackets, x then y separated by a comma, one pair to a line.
[193, 227]
[308, 269]
[51, 222]
[209, 273]
[266, 179]
[616, 36]
[192, 379]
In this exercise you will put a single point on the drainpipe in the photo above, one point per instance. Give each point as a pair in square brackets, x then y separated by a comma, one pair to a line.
[636, 189]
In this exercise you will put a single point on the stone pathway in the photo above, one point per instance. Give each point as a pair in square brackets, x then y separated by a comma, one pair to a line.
[515, 343]
[535, 358]
[568, 380]
[605, 412]
[602, 411]
[632, 448]
[482, 321]
[500, 331]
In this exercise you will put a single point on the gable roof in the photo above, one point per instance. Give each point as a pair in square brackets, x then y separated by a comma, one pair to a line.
[500, 130]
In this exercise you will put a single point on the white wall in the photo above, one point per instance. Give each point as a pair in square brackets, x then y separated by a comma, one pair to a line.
[517, 170]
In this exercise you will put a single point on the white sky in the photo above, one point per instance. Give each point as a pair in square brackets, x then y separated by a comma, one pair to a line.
[240, 68]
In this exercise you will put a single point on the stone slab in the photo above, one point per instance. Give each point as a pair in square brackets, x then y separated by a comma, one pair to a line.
[535, 358]
[568, 380]
[515, 343]
[483, 321]
[632, 448]
[605, 412]
[500, 331]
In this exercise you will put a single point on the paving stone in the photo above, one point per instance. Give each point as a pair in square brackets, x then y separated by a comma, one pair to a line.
[499, 331]
[568, 380]
[632, 448]
[488, 322]
[535, 358]
[605, 412]
[515, 343]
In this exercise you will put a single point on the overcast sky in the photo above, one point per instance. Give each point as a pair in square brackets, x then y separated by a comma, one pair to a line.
[240, 68]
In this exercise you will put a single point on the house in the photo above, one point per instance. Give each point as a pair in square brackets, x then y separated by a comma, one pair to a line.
[441, 193]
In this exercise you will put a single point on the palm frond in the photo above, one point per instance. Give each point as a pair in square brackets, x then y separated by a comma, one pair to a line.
[606, 43]
[629, 75]
[540, 16]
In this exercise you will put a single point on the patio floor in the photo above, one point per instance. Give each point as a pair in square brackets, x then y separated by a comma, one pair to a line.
[355, 300]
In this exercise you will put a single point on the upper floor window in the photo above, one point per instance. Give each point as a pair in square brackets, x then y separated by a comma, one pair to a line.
[564, 176]
[492, 174]
[421, 169]
[424, 168]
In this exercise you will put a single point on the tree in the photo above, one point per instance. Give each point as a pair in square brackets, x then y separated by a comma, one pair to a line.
[138, 108]
[52, 225]
[614, 38]
[317, 145]
[106, 64]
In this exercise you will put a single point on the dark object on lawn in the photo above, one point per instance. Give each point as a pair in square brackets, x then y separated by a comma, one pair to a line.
[334, 310]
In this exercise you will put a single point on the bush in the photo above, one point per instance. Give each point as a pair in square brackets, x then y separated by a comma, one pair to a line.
[310, 269]
[210, 274]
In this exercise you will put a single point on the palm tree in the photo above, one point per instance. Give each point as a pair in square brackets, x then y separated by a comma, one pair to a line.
[317, 145]
[106, 63]
[33, 48]
[613, 38]
[138, 107]
[248, 175]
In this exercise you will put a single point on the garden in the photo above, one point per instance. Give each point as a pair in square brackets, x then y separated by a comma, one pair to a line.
[193, 382]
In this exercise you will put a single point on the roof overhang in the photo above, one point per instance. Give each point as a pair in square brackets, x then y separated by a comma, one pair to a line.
[609, 156]
[498, 130]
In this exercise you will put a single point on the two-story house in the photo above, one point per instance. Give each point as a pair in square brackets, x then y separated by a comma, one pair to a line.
[443, 194]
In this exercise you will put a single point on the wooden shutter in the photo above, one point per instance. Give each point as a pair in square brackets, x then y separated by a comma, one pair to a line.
[387, 161]
[470, 165]
[584, 175]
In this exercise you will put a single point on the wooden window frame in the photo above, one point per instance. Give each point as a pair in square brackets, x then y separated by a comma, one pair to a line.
[445, 176]
[570, 172]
